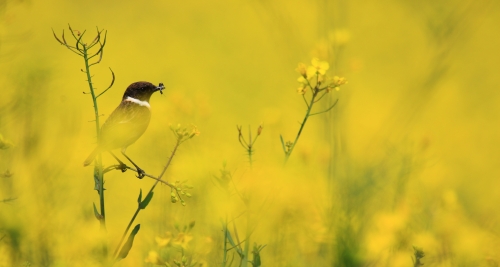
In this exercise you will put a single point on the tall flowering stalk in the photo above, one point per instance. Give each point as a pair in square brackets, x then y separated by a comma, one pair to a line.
[91, 54]
[314, 82]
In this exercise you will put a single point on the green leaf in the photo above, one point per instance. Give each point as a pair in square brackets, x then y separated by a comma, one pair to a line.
[128, 245]
[98, 216]
[231, 241]
[256, 255]
[283, 143]
[146, 201]
[191, 225]
[140, 197]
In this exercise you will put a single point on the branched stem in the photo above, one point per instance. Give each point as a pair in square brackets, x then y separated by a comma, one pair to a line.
[119, 167]
[158, 179]
[317, 94]
[82, 49]
[98, 169]
[248, 145]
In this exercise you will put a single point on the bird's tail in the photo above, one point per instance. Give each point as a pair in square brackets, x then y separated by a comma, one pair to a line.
[91, 157]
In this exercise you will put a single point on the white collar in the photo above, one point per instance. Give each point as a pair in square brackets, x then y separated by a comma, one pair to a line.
[137, 101]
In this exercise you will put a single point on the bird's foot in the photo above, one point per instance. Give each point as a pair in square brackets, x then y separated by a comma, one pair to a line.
[122, 167]
[140, 173]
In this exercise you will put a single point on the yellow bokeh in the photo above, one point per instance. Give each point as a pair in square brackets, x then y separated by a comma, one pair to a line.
[406, 157]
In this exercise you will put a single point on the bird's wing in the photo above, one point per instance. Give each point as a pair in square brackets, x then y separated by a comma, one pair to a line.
[125, 125]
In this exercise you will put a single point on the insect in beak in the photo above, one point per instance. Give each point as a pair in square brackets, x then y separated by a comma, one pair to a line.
[160, 88]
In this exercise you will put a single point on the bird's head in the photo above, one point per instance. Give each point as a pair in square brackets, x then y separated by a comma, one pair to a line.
[142, 90]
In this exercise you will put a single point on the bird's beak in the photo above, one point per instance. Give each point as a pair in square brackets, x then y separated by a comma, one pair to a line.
[160, 88]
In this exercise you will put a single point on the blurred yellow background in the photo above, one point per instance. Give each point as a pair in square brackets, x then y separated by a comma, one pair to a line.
[408, 157]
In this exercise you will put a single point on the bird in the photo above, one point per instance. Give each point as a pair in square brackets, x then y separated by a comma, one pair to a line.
[126, 123]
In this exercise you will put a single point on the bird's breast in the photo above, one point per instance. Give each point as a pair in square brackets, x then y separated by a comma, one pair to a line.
[125, 124]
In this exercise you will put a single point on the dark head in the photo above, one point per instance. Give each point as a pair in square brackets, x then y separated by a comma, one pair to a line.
[142, 90]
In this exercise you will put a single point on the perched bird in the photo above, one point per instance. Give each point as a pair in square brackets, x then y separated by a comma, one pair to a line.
[127, 122]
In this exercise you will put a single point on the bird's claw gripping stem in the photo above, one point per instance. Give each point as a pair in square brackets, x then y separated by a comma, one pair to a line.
[140, 173]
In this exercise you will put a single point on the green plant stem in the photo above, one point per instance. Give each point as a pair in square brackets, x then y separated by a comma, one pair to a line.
[247, 241]
[179, 141]
[250, 147]
[309, 108]
[98, 171]
[224, 259]
[92, 93]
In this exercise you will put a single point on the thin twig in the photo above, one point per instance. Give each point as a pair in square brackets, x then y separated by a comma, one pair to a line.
[317, 100]
[112, 82]
[179, 141]
[79, 41]
[326, 109]
[102, 45]
[305, 101]
[97, 38]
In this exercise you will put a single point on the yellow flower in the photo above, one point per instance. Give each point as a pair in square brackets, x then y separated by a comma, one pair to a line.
[318, 67]
[339, 80]
[182, 240]
[154, 258]
[194, 131]
[163, 242]
[302, 70]
[336, 82]
[321, 78]
[302, 80]
[301, 90]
